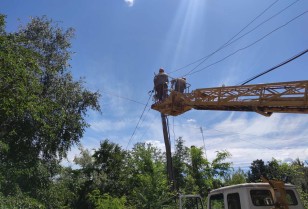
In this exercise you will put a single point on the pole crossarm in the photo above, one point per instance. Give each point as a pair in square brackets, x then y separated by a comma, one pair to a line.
[283, 97]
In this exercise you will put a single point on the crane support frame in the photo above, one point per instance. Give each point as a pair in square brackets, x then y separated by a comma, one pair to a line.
[265, 99]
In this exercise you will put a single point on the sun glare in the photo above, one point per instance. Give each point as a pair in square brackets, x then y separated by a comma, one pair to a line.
[182, 32]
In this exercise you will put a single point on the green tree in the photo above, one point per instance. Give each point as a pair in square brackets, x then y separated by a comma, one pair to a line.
[199, 170]
[110, 160]
[180, 159]
[220, 167]
[88, 178]
[61, 123]
[257, 169]
[207, 175]
[42, 109]
[106, 201]
[147, 178]
[237, 177]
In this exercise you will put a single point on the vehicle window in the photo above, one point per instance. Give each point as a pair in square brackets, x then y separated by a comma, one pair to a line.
[261, 197]
[192, 203]
[291, 198]
[234, 201]
[217, 201]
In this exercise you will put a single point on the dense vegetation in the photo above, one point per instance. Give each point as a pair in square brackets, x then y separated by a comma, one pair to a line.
[42, 115]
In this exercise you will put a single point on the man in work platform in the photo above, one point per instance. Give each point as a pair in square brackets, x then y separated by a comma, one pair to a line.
[161, 84]
[179, 84]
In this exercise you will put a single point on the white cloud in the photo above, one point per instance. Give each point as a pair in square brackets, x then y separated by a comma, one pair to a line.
[160, 145]
[249, 138]
[130, 3]
[191, 120]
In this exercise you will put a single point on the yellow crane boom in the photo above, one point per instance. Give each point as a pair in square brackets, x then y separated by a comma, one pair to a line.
[283, 97]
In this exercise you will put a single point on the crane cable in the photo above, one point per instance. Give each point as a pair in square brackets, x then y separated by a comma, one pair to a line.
[277, 66]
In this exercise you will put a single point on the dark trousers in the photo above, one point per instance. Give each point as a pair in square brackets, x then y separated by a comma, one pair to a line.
[161, 91]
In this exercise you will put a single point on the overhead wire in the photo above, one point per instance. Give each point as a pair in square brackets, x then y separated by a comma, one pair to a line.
[112, 94]
[277, 66]
[249, 45]
[240, 134]
[236, 133]
[231, 42]
[144, 120]
[203, 59]
[139, 120]
[276, 14]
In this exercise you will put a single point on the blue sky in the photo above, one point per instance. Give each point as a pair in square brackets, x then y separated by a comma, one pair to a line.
[120, 44]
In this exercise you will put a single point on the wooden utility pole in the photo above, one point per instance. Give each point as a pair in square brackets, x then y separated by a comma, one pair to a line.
[168, 152]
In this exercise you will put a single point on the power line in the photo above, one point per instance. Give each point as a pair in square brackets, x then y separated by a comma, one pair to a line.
[231, 42]
[277, 66]
[144, 120]
[139, 120]
[114, 95]
[284, 9]
[247, 46]
[236, 133]
[225, 44]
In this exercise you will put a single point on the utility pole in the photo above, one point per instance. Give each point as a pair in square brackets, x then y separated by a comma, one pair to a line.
[168, 151]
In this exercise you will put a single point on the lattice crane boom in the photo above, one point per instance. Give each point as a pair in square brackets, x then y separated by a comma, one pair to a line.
[283, 97]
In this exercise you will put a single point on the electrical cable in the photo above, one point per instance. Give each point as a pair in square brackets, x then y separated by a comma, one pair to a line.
[123, 98]
[249, 45]
[231, 42]
[284, 9]
[144, 120]
[275, 67]
[225, 44]
[174, 137]
[139, 120]
[236, 133]
[229, 132]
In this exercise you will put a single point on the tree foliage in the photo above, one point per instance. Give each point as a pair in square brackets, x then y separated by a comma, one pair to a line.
[42, 109]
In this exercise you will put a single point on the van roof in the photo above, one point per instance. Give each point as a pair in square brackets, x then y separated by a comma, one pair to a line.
[247, 185]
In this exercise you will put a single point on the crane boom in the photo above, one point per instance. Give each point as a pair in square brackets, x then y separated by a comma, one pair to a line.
[283, 97]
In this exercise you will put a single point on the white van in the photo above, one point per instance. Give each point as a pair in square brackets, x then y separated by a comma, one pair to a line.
[253, 196]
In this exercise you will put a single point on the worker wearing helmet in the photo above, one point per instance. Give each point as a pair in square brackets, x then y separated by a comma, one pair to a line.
[161, 84]
[179, 84]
